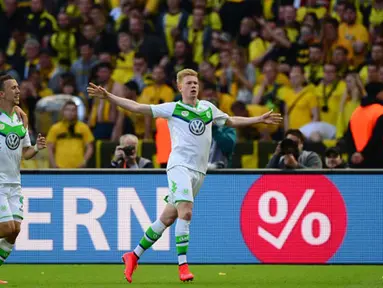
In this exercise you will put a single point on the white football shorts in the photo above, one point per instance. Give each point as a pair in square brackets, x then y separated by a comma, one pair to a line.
[184, 184]
[11, 203]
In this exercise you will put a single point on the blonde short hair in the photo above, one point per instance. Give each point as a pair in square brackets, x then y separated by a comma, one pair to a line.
[130, 137]
[185, 72]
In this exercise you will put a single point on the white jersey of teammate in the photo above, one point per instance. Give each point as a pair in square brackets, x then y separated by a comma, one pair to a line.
[13, 138]
[190, 132]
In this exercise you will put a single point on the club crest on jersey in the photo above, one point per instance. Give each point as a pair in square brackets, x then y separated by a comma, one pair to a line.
[13, 141]
[197, 127]
[2, 126]
[185, 113]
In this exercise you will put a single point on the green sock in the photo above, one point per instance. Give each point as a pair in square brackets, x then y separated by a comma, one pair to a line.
[5, 250]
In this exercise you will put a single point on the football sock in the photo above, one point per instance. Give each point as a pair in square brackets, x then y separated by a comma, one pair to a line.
[5, 250]
[150, 237]
[182, 240]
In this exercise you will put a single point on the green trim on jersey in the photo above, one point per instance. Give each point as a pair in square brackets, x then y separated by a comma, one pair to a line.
[196, 105]
[6, 129]
[187, 115]
[3, 112]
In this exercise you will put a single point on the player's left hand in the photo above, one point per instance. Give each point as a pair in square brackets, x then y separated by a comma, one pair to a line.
[271, 118]
[21, 115]
[40, 142]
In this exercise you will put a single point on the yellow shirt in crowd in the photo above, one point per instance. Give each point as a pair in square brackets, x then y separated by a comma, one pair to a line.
[334, 95]
[299, 105]
[69, 149]
[124, 68]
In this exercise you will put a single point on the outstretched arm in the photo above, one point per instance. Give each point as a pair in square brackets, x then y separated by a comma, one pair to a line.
[267, 118]
[130, 105]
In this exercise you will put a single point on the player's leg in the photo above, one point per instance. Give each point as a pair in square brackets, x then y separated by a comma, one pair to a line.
[154, 232]
[151, 235]
[185, 212]
[182, 197]
[15, 206]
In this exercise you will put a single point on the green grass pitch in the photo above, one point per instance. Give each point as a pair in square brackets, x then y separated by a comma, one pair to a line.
[220, 276]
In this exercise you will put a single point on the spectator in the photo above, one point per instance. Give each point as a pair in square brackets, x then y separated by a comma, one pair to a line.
[124, 63]
[31, 60]
[172, 23]
[46, 66]
[70, 142]
[182, 59]
[302, 105]
[103, 114]
[10, 18]
[314, 68]
[333, 159]
[312, 6]
[245, 30]
[125, 155]
[238, 77]
[355, 36]
[63, 41]
[365, 132]
[290, 24]
[40, 23]
[339, 59]
[198, 35]
[289, 154]
[329, 94]
[141, 72]
[376, 58]
[302, 47]
[151, 47]
[83, 66]
[350, 101]
[330, 38]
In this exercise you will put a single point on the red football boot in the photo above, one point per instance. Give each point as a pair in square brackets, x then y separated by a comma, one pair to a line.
[185, 274]
[130, 259]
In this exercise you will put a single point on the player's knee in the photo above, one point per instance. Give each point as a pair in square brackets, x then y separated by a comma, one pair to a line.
[7, 229]
[186, 215]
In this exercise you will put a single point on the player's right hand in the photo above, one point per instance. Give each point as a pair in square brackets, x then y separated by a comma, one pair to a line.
[96, 91]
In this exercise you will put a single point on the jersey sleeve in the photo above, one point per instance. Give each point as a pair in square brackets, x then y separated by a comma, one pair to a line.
[219, 117]
[164, 110]
[27, 140]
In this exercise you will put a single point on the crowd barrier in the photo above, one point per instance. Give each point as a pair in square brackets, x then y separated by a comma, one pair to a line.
[240, 216]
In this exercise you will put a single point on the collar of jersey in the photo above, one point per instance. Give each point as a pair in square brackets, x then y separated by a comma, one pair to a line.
[196, 105]
[3, 112]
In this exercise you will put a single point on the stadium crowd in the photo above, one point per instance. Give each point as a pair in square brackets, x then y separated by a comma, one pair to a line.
[313, 61]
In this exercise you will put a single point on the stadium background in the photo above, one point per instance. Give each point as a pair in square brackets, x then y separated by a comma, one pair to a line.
[125, 40]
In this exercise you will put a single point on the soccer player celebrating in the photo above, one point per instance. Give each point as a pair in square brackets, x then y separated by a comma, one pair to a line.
[14, 144]
[190, 124]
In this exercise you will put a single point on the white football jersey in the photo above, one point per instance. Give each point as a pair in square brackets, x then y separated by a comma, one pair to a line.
[190, 131]
[13, 138]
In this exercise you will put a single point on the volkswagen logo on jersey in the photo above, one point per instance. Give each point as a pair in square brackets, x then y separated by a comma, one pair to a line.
[197, 127]
[13, 141]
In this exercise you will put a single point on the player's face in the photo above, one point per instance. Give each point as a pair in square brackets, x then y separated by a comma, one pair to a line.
[189, 87]
[11, 93]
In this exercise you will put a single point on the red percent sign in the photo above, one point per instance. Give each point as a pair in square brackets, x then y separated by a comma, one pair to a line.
[293, 219]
